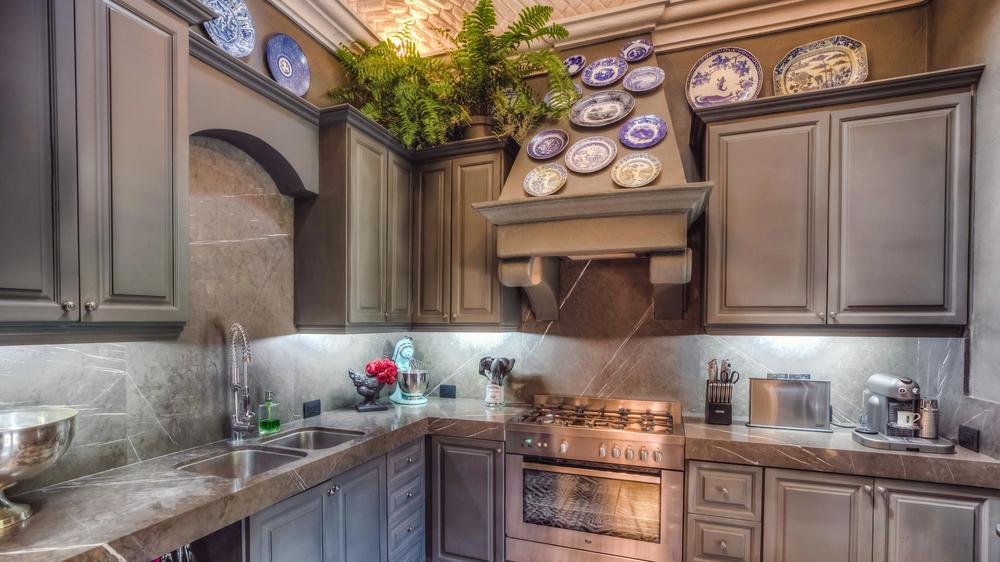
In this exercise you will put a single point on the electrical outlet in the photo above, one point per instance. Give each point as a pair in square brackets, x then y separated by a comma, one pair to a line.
[968, 437]
[447, 391]
[311, 408]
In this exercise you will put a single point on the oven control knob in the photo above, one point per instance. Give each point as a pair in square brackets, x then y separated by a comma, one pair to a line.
[643, 454]
[563, 447]
[657, 456]
[616, 452]
[602, 451]
[629, 453]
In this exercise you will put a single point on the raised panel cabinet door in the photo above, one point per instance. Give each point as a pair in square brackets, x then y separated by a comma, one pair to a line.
[475, 287]
[919, 521]
[355, 515]
[400, 225]
[900, 197]
[467, 497]
[367, 202]
[767, 221]
[38, 226]
[432, 244]
[131, 59]
[817, 517]
[289, 530]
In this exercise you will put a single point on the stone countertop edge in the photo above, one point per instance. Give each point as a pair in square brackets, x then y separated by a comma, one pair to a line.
[143, 510]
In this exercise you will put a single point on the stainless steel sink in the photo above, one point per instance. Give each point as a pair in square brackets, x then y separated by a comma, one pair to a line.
[242, 461]
[313, 438]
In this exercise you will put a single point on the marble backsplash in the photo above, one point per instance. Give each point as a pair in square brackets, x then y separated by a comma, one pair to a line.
[144, 399]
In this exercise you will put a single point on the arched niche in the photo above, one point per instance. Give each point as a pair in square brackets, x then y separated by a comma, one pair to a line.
[277, 166]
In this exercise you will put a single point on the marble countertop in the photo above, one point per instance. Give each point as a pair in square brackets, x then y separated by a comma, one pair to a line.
[140, 511]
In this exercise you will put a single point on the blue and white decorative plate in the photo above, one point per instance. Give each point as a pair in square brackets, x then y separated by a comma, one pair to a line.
[643, 131]
[551, 95]
[233, 30]
[604, 72]
[575, 64]
[636, 50]
[827, 63]
[602, 108]
[545, 179]
[288, 64]
[591, 154]
[725, 75]
[636, 169]
[547, 144]
[644, 79]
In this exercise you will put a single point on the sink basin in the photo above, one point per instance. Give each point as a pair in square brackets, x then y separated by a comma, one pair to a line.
[31, 440]
[242, 462]
[313, 438]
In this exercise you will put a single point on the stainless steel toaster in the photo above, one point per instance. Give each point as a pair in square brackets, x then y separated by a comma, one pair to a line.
[790, 404]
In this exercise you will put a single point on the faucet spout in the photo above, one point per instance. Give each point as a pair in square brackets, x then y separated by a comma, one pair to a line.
[243, 419]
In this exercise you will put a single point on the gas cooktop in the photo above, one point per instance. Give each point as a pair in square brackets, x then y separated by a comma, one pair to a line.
[641, 416]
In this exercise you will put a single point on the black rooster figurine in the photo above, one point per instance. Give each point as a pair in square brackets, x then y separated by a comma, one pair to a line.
[368, 387]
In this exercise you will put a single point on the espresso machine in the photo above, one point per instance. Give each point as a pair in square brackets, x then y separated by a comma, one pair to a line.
[892, 420]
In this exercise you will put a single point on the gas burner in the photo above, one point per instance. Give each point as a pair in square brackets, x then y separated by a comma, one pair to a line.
[593, 413]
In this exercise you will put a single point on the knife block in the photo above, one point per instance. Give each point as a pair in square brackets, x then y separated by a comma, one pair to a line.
[717, 413]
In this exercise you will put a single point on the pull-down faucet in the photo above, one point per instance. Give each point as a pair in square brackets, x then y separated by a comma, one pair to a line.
[244, 419]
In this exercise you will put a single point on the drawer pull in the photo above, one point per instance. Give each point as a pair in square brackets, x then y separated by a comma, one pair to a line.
[723, 490]
[409, 460]
[333, 490]
[409, 529]
[409, 495]
[723, 546]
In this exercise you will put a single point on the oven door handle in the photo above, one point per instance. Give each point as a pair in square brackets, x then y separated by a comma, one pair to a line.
[630, 476]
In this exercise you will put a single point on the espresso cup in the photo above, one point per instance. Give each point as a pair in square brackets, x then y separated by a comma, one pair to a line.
[907, 420]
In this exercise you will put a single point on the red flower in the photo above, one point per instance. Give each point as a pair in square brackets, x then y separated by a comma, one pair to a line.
[384, 370]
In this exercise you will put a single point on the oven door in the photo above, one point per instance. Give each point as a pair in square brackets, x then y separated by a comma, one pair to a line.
[611, 511]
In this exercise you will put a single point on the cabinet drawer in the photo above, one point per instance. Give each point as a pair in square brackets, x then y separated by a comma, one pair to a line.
[413, 551]
[725, 490]
[405, 463]
[405, 496]
[716, 539]
[402, 532]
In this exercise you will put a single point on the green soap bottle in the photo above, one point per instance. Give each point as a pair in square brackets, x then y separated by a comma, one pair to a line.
[267, 415]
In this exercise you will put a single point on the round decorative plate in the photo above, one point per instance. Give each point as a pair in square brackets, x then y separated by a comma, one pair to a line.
[827, 63]
[545, 179]
[636, 169]
[635, 51]
[725, 75]
[644, 79]
[550, 96]
[288, 64]
[604, 72]
[547, 144]
[643, 131]
[575, 64]
[591, 154]
[602, 108]
[233, 30]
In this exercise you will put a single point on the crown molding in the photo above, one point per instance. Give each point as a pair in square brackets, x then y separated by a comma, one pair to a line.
[191, 11]
[604, 25]
[329, 22]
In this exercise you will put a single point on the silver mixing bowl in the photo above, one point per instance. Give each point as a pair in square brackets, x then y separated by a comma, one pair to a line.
[31, 440]
[413, 384]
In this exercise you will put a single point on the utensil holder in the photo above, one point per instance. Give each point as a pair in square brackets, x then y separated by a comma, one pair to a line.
[718, 403]
[494, 395]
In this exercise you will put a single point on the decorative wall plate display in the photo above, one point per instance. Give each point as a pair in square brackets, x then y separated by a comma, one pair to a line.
[591, 154]
[644, 79]
[288, 64]
[552, 93]
[604, 72]
[643, 131]
[827, 63]
[547, 143]
[636, 169]
[545, 179]
[575, 64]
[602, 108]
[636, 50]
[233, 30]
[725, 75]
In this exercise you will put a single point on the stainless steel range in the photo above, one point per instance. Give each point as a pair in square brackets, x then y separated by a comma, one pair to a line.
[595, 480]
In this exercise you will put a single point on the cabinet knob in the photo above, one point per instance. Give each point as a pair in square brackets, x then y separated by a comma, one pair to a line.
[409, 529]
[833, 316]
[880, 490]
[409, 460]
[69, 306]
[868, 489]
[90, 306]
[444, 316]
[723, 490]
[997, 530]
[333, 490]
[723, 545]
[820, 315]
[409, 495]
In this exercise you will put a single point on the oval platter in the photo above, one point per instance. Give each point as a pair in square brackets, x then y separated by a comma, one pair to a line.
[288, 64]
[602, 108]
[637, 50]
[604, 72]
[591, 154]
[644, 79]
[643, 131]
[828, 63]
[233, 30]
[545, 179]
[722, 76]
[636, 169]
[575, 64]
[547, 143]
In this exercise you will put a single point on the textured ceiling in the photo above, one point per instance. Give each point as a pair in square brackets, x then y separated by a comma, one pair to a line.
[423, 17]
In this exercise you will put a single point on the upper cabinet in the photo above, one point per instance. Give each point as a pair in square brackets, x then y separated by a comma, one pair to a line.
[850, 214]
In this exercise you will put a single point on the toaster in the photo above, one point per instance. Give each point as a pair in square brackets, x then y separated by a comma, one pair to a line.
[790, 404]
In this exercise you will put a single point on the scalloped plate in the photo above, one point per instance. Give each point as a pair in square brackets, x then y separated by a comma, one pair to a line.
[722, 76]
[828, 63]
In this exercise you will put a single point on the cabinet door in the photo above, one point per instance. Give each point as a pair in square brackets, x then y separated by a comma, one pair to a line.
[817, 517]
[400, 302]
[432, 244]
[367, 194]
[475, 287]
[289, 530]
[899, 230]
[132, 61]
[918, 521]
[767, 221]
[38, 225]
[355, 515]
[467, 500]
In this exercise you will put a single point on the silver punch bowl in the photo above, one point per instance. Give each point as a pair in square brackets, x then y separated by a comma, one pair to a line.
[31, 440]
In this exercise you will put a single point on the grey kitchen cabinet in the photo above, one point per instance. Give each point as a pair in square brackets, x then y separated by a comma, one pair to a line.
[467, 500]
[432, 244]
[817, 517]
[399, 264]
[290, 530]
[367, 233]
[723, 512]
[720, 539]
